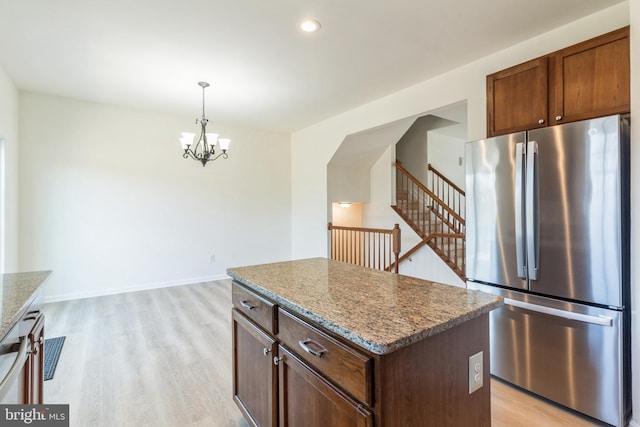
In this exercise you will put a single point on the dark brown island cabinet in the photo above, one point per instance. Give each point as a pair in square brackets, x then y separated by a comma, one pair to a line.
[293, 365]
[583, 81]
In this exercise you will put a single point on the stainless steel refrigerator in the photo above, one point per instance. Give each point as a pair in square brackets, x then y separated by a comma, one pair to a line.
[547, 217]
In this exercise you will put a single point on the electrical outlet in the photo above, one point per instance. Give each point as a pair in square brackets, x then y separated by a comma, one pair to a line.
[475, 372]
[212, 258]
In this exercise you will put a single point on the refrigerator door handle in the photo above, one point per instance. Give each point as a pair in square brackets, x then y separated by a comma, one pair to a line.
[585, 318]
[531, 206]
[519, 201]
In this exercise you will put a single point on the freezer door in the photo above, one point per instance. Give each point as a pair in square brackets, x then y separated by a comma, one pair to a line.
[571, 355]
[576, 190]
[494, 187]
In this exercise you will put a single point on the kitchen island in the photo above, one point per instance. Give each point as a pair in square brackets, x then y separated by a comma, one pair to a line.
[319, 342]
[22, 337]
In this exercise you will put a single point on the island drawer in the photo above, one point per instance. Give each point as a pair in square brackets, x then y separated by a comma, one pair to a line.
[255, 307]
[343, 365]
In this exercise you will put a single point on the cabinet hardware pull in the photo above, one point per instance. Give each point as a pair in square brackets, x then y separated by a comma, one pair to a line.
[266, 351]
[277, 360]
[305, 346]
[558, 118]
[247, 305]
[541, 121]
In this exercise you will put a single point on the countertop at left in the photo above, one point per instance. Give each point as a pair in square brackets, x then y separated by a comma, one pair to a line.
[17, 291]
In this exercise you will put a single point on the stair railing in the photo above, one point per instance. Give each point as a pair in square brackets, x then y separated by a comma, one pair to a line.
[445, 190]
[423, 206]
[439, 225]
[368, 247]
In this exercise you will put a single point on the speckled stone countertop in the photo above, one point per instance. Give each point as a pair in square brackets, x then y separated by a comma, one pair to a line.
[376, 310]
[17, 291]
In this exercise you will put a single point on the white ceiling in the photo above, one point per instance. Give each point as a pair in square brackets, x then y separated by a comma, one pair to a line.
[264, 72]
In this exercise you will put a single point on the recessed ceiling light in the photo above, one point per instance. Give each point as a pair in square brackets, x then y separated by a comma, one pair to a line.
[310, 25]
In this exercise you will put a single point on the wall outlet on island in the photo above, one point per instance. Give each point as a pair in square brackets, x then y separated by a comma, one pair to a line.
[475, 372]
[212, 258]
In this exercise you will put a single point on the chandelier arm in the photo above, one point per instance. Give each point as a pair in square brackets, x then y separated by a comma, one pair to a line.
[223, 155]
[189, 153]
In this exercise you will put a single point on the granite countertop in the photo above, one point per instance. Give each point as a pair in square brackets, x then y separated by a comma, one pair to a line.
[377, 310]
[17, 291]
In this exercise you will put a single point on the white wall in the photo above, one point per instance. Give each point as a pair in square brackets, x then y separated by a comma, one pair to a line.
[347, 184]
[108, 203]
[426, 264]
[9, 133]
[377, 213]
[444, 151]
[412, 148]
[313, 147]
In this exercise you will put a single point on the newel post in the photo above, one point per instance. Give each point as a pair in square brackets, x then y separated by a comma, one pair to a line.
[396, 245]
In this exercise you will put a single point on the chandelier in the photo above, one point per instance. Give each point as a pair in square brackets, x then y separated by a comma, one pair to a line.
[204, 150]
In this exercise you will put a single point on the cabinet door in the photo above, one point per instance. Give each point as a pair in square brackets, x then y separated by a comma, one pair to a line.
[592, 79]
[517, 98]
[35, 387]
[307, 399]
[254, 373]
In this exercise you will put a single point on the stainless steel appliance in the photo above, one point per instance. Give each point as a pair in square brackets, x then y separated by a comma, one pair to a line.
[13, 358]
[548, 229]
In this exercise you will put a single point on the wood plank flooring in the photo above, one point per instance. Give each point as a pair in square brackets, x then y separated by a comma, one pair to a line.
[163, 358]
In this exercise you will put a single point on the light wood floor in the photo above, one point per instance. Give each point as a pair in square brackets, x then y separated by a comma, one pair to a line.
[163, 358]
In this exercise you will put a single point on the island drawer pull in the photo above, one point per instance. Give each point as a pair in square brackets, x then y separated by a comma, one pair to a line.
[305, 346]
[246, 305]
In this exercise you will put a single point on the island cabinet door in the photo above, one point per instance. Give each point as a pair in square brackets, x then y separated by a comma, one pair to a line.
[35, 370]
[255, 377]
[307, 399]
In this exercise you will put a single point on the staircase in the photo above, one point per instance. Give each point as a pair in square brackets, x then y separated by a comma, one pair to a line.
[435, 214]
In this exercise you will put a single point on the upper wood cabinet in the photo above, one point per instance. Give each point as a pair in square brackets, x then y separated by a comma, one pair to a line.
[517, 98]
[589, 79]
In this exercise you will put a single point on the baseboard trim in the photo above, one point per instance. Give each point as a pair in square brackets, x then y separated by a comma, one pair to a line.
[135, 288]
